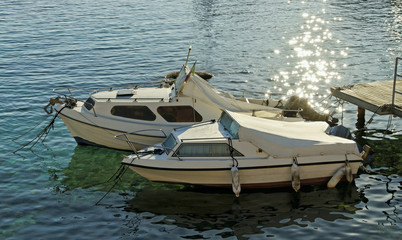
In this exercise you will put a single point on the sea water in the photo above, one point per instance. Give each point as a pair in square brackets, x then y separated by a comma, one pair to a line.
[54, 189]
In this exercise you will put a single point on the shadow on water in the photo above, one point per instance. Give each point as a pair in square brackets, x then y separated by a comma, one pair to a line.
[90, 167]
[204, 209]
[386, 150]
[98, 169]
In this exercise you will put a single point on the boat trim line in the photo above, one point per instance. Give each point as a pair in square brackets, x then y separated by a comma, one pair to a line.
[132, 164]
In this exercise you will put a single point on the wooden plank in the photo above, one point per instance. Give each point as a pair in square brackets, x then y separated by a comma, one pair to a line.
[375, 97]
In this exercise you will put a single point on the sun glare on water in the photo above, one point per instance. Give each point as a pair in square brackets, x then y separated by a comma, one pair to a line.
[313, 69]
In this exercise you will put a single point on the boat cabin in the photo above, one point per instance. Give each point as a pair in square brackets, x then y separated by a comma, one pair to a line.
[136, 104]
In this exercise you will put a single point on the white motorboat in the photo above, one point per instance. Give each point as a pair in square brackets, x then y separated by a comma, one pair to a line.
[151, 112]
[240, 150]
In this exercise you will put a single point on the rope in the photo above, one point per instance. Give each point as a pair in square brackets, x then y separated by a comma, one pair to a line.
[389, 123]
[278, 105]
[121, 171]
[338, 102]
[295, 160]
[371, 118]
[41, 135]
[119, 174]
[363, 168]
[231, 149]
[100, 183]
[30, 129]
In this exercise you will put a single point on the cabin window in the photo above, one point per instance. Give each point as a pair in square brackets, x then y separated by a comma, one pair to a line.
[230, 125]
[133, 112]
[89, 103]
[179, 114]
[205, 150]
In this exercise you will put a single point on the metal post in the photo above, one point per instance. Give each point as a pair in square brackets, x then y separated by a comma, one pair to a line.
[188, 54]
[394, 85]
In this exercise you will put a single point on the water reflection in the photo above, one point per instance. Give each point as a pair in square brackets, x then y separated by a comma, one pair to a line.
[395, 25]
[203, 209]
[382, 196]
[99, 169]
[166, 207]
[91, 167]
[386, 149]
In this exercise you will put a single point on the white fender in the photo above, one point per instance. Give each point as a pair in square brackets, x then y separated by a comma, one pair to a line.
[348, 172]
[336, 177]
[295, 173]
[235, 181]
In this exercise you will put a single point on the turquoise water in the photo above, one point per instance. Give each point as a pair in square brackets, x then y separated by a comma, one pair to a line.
[56, 189]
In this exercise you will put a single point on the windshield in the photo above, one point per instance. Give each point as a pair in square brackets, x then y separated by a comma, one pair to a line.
[230, 125]
[169, 143]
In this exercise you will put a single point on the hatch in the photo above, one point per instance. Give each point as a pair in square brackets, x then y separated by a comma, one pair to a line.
[125, 92]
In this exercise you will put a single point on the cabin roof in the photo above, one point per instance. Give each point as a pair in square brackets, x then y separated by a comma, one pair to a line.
[157, 93]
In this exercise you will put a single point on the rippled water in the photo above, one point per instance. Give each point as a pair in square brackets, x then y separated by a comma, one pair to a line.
[282, 48]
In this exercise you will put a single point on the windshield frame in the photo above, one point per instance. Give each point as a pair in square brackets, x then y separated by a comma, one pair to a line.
[169, 143]
[230, 125]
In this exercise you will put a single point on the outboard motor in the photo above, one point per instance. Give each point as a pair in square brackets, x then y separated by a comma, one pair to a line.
[340, 131]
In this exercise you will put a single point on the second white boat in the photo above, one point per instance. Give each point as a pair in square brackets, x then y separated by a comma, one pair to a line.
[245, 151]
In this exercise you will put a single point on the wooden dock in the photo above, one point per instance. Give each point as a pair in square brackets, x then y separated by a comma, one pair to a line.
[375, 97]
[382, 98]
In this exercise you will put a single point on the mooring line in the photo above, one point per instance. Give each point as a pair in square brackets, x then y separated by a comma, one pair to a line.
[31, 129]
[100, 183]
[40, 135]
[121, 171]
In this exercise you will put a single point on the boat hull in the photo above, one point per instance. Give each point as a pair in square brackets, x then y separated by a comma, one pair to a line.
[99, 127]
[88, 134]
[253, 177]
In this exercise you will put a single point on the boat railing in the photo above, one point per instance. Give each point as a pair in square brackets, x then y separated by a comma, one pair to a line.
[267, 100]
[396, 76]
[131, 143]
[68, 91]
[266, 94]
[197, 124]
[244, 91]
[195, 139]
[142, 99]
